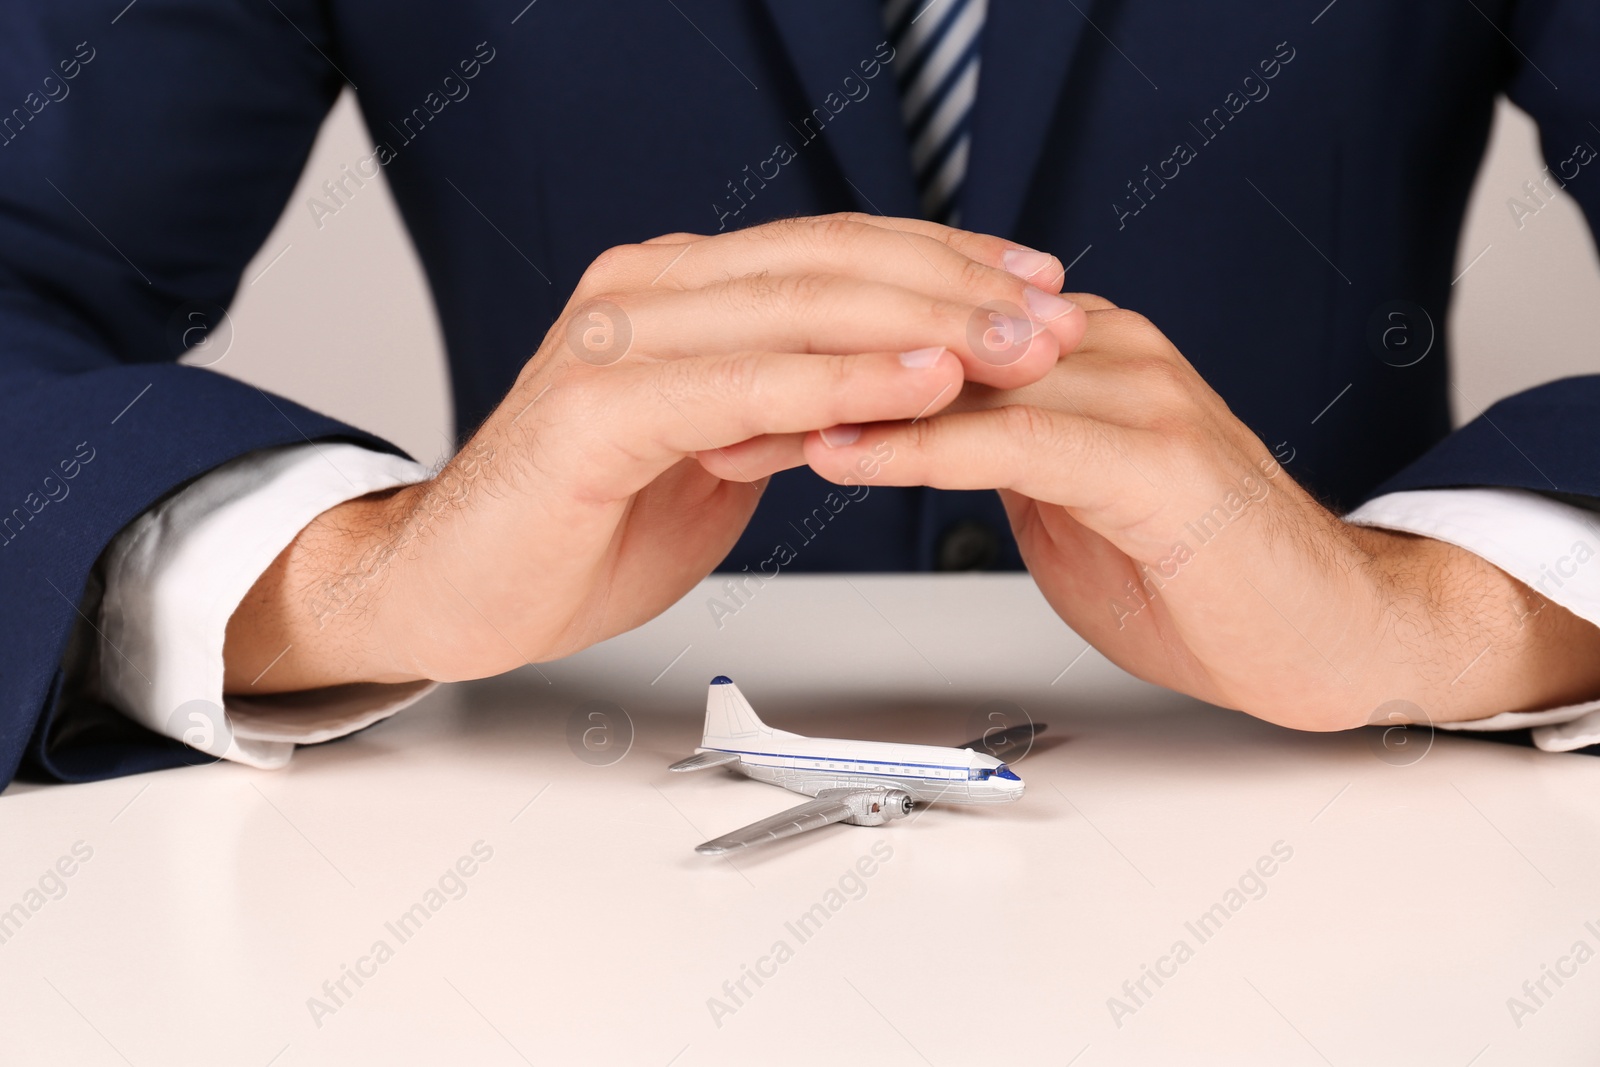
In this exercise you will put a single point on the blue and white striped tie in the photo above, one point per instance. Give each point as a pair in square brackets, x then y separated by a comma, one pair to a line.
[936, 64]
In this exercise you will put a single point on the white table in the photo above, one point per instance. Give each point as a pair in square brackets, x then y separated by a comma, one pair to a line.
[1419, 896]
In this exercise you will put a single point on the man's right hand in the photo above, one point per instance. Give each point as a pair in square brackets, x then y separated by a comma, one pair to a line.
[579, 509]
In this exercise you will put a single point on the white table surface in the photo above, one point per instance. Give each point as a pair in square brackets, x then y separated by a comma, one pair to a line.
[1420, 895]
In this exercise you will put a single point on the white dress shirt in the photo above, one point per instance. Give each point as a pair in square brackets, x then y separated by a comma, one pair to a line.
[175, 576]
[177, 573]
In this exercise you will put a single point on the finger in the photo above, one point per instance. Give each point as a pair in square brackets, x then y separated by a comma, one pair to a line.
[759, 457]
[1125, 371]
[632, 421]
[1037, 268]
[1090, 302]
[762, 457]
[1051, 456]
[836, 315]
[676, 239]
[1136, 392]
[974, 268]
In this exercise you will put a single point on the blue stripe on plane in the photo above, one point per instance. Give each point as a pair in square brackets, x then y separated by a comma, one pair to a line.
[882, 775]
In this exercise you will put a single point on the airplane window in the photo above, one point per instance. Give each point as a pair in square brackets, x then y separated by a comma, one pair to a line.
[980, 774]
[1006, 772]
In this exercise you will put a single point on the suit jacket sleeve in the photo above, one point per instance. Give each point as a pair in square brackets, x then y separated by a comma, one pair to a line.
[144, 156]
[1546, 439]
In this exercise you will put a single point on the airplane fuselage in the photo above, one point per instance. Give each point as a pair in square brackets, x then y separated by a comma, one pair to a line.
[929, 773]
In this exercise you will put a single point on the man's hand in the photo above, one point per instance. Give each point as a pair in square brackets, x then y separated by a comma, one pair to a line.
[578, 510]
[1163, 531]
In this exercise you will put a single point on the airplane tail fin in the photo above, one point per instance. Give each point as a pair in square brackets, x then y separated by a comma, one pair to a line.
[729, 716]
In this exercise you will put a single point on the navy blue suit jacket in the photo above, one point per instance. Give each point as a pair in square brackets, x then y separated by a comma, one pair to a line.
[1279, 186]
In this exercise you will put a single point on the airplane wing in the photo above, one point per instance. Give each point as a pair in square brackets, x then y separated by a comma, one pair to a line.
[1003, 744]
[811, 815]
[701, 760]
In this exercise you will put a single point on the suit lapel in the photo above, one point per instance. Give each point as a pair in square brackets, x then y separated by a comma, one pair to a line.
[1027, 47]
[827, 40]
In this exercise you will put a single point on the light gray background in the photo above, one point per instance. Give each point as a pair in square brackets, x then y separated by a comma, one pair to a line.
[337, 315]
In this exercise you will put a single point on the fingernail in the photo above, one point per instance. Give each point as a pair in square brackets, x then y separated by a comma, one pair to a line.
[838, 436]
[921, 357]
[1046, 307]
[1025, 262]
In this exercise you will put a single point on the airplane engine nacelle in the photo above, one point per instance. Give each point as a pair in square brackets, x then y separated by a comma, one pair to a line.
[875, 809]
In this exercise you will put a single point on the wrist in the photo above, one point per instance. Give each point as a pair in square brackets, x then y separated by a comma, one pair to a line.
[318, 615]
[1462, 639]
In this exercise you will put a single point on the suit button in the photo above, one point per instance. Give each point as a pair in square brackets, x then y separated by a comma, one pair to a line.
[967, 545]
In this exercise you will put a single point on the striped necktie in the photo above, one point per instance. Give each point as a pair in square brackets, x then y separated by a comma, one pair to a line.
[936, 64]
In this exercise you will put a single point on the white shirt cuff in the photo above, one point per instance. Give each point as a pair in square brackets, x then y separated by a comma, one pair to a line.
[1546, 544]
[174, 577]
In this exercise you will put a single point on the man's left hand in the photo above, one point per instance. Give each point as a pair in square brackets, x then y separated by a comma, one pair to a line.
[1164, 532]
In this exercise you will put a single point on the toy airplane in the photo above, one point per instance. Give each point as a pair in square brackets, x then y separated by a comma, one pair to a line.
[862, 782]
